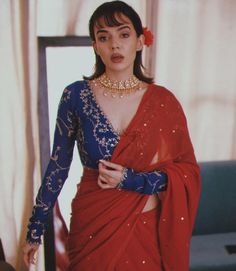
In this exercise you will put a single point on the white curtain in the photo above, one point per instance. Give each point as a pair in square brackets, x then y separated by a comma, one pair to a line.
[196, 59]
[19, 165]
[70, 17]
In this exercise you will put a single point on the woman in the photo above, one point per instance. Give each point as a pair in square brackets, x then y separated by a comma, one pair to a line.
[136, 203]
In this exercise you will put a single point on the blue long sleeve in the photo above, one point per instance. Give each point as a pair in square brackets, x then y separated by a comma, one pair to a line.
[146, 183]
[57, 170]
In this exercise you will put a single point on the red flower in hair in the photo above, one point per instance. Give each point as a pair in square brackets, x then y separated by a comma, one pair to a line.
[148, 36]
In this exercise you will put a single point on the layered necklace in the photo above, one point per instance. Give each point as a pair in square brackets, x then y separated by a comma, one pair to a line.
[117, 88]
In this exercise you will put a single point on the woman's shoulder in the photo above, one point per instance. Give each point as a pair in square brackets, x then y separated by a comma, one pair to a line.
[77, 86]
[163, 95]
[162, 91]
[73, 92]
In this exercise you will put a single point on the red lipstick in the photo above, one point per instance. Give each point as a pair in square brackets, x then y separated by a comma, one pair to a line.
[116, 58]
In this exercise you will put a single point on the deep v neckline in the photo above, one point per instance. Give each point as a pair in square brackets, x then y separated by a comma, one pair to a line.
[99, 107]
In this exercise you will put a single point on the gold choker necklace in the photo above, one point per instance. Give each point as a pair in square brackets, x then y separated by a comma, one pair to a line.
[117, 88]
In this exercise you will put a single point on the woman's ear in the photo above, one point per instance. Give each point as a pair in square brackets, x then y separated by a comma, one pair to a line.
[140, 42]
[95, 47]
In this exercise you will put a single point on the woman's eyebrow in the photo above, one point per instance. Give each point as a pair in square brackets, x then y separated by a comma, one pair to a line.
[102, 31]
[123, 27]
[119, 29]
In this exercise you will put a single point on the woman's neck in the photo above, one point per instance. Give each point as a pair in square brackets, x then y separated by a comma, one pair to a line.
[119, 76]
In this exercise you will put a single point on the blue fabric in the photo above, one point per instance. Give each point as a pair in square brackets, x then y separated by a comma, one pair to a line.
[147, 183]
[81, 120]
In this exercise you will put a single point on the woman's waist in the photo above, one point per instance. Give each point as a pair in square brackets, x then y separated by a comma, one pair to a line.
[88, 180]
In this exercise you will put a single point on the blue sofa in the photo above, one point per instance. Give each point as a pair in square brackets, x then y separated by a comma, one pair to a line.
[213, 245]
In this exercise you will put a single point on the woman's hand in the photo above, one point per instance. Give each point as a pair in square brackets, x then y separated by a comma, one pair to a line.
[29, 251]
[110, 174]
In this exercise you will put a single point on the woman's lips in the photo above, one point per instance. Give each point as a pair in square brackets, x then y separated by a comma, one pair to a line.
[116, 58]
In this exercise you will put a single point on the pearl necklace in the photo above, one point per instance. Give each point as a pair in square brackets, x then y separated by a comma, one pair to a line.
[117, 88]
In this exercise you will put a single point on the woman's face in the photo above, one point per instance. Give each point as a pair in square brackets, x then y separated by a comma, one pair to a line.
[117, 45]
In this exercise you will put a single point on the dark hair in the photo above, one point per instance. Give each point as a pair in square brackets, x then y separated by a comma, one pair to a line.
[109, 11]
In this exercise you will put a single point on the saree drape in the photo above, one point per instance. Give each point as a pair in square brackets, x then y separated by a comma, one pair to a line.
[103, 221]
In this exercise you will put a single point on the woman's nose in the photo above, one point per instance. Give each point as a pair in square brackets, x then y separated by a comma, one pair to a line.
[115, 44]
[115, 47]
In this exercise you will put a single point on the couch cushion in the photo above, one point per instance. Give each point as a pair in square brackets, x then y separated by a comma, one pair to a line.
[217, 206]
[208, 252]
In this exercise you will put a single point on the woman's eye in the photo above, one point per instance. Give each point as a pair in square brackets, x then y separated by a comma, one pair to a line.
[125, 35]
[102, 38]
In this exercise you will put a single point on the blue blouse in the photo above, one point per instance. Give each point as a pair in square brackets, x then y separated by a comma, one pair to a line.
[80, 119]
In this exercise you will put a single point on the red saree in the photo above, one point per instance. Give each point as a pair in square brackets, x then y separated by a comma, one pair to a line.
[104, 222]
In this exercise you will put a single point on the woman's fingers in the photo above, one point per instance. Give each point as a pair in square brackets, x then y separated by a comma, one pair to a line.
[26, 259]
[29, 258]
[110, 169]
[111, 166]
[103, 183]
[110, 174]
[29, 251]
[32, 256]
[106, 182]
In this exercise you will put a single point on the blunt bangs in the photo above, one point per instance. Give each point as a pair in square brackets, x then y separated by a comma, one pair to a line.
[111, 20]
[113, 14]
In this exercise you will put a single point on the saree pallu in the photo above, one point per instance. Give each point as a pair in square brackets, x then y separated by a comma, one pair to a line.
[103, 222]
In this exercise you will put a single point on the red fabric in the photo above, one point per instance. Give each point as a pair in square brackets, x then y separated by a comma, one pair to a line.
[142, 251]
[61, 234]
[156, 139]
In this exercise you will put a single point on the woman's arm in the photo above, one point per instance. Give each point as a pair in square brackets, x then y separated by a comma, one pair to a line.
[112, 175]
[146, 183]
[57, 170]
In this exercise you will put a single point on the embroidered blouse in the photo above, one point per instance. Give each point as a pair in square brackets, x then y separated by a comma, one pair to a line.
[80, 119]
